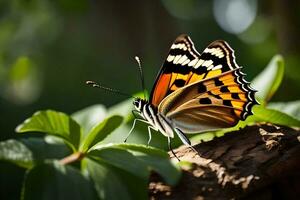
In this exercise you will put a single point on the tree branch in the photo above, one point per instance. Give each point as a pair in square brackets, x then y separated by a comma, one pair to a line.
[261, 161]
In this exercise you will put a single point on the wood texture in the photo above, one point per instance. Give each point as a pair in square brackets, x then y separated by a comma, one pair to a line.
[257, 162]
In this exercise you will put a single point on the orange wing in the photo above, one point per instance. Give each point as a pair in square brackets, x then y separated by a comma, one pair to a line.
[210, 104]
[184, 65]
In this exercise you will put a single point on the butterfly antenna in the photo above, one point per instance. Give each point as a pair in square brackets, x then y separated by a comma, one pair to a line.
[96, 85]
[141, 74]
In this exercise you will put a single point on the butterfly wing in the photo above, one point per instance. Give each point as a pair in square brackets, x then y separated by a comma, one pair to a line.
[184, 65]
[202, 92]
[209, 104]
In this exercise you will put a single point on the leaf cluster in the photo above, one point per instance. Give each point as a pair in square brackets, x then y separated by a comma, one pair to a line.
[65, 156]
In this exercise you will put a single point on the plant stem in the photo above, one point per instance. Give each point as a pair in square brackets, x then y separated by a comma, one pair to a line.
[72, 158]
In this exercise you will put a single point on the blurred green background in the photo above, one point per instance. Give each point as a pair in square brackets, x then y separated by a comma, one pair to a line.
[48, 49]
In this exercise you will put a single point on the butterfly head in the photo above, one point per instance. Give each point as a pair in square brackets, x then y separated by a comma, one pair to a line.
[139, 103]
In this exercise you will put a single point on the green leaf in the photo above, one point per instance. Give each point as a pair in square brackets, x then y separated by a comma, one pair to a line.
[31, 151]
[268, 81]
[55, 181]
[122, 159]
[155, 159]
[114, 184]
[207, 136]
[291, 108]
[124, 109]
[273, 116]
[16, 152]
[100, 131]
[53, 123]
[89, 117]
[46, 148]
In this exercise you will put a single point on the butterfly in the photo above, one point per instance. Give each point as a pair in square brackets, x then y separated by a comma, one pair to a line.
[196, 92]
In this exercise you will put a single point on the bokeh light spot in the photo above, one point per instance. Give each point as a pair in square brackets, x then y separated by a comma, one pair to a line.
[235, 16]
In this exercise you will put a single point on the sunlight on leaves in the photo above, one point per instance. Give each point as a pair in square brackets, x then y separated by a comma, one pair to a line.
[122, 159]
[158, 161]
[16, 152]
[53, 123]
[202, 137]
[291, 108]
[89, 117]
[27, 152]
[273, 116]
[153, 158]
[268, 81]
[100, 131]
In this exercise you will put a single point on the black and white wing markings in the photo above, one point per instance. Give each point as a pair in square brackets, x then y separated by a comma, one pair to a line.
[184, 58]
[249, 91]
[184, 66]
[221, 54]
[182, 52]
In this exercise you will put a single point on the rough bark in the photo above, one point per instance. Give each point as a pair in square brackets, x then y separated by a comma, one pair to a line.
[257, 162]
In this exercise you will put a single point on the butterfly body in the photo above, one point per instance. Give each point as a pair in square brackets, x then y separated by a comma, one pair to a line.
[196, 92]
[151, 116]
[157, 121]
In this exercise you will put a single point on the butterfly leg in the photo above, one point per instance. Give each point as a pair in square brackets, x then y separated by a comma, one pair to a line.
[134, 113]
[133, 125]
[170, 148]
[150, 135]
[185, 139]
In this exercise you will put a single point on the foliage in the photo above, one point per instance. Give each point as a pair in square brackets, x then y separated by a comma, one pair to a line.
[269, 80]
[65, 157]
